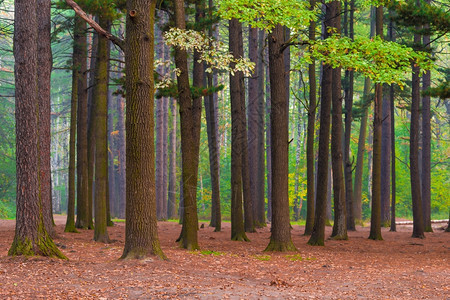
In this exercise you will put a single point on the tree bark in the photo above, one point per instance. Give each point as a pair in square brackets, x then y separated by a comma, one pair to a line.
[310, 153]
[100, 96]
[82, 126]
[280, 239]
[141, 234]
[418, 224]
[236, 87]
[190, 121]
[318, 232]
[386, 161]
[31, 237]
[375, 218]
[340, 223]
[172, 202]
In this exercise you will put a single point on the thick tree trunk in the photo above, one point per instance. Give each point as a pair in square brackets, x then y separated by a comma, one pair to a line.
[31, 237]
[280, 239]
[418, 224]
[45, 62]
[82, 126]
[100, 97]
[236, 87]
[318, 232]
[375, 218]
[340, 223]
[141, 234]
[190, 121]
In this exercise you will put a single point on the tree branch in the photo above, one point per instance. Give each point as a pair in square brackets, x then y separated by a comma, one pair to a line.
[79, 11]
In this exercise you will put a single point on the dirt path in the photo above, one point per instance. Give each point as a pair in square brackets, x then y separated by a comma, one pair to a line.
[397, 268]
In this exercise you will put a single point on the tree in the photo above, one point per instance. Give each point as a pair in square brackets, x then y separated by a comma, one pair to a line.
[340, 223]
[375, 217]
[31, 237]
[236, 95]
[190, 117]
[280, 239]
[318, 232]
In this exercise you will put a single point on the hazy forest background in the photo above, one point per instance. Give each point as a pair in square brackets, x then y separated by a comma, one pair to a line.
[356, 20]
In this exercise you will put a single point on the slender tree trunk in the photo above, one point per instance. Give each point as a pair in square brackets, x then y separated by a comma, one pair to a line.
[172, 203]
[348, 163]
[91, 129]
[310, 153]
[45, 62]
[236, 87]
[190, 118]
[122, 156]
[111, 208]
[318, 232]
[426, 145]
[280, 239]
[101, 142]
[418, 224]
[82, 126]
[375, 218]
[141, 233]
[386, 160]
[268, 141]
[31, 237]
[340, 223]
[70, 223]
[393, 183]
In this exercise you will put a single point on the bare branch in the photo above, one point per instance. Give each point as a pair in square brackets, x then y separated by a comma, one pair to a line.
[79, 11]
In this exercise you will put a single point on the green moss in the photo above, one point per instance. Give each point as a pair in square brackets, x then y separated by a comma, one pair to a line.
[262, 257]
[339, 237]
[275, 246]
[240, 237]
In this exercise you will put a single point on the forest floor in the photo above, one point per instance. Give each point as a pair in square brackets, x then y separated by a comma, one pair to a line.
[399, 267]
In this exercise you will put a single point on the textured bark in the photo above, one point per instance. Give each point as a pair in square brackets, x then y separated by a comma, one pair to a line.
[70, 223]
[190, 121]
[31, 237]
[100, 96]
[375, 217]
[165, 157]
[418, 224]
[122, 156]
[82, 126]
[393, 177]
[348, 163]
[280, 239]
[340, 223]
[310, 153]
[112, 195]
[426, 146]
[45, 62]
[141, 234]
[172, 202]
[91, 129]
[318, 233]
[268, 142]
[386, 161]
[236, 87]
[259, 204]
[252, 115]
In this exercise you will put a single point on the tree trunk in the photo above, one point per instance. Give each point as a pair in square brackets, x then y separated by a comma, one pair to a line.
[190, 121]
[141, 234]
[418, 224]
[268, 141]
[426, 146]
[340, 223]
[70, 223]
[122, 156]
[310, 153]
[318, 232]
[348, 163]
[236, 87]
[280, 239]
[111, 197]
[375, 217]
[31, 237]
[100, 97]
[82, 126]
[386, 161]
[172, 203]
[45, 62]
